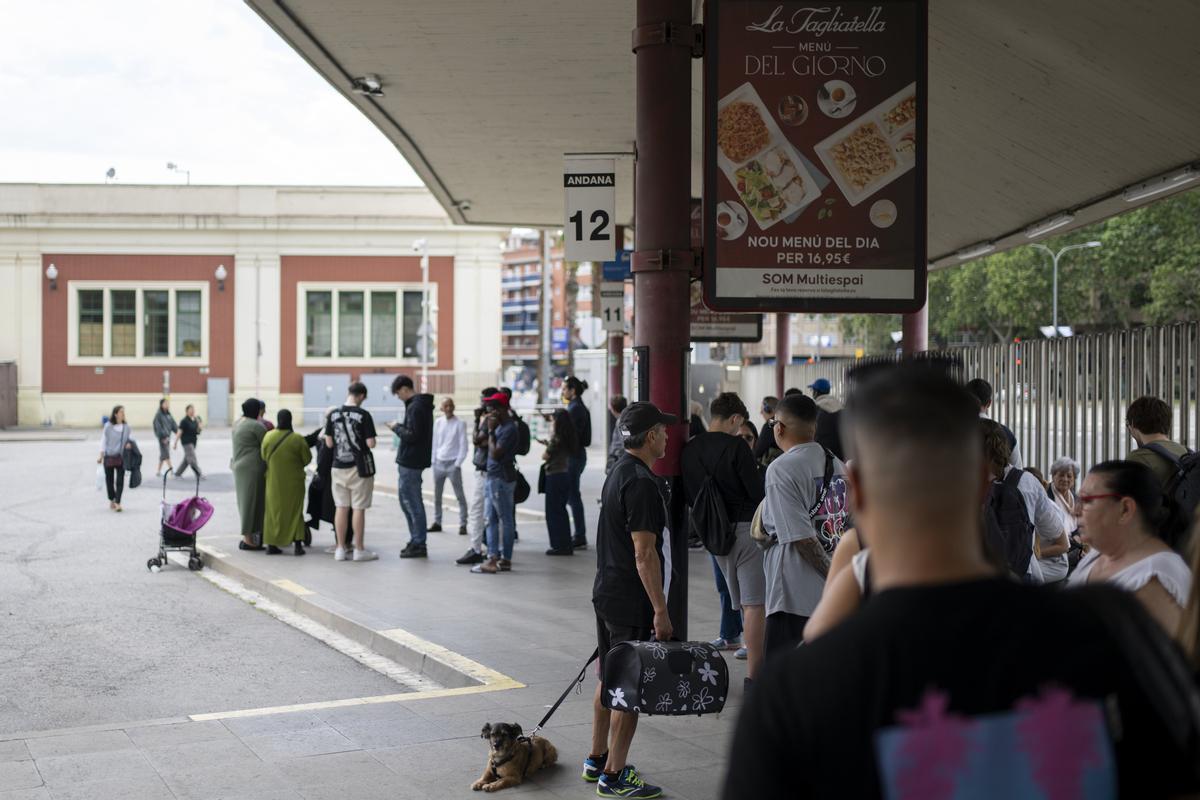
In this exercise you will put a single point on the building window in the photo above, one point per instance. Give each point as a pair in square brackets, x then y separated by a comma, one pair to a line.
[350, 324]
[367, 323]
[158, 322]
[187, 324]
[136, 323]
[383, 324]
[91, 323]
[123, 332]
[319, 329]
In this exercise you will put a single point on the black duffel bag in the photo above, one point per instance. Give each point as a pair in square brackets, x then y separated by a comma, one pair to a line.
[669, 678]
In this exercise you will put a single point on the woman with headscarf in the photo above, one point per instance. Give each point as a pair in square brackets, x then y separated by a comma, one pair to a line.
[249, 473]
[285, 454]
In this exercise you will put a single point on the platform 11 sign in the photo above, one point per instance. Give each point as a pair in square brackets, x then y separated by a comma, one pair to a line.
[590, 185]
[814, 155]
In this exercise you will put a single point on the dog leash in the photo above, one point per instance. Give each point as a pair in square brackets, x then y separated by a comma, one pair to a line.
[575, 684]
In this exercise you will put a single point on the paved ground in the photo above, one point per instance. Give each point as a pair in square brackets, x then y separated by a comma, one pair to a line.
[533, 626]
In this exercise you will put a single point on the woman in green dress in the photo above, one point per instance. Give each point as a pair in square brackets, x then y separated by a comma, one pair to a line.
[249, 473]
[285, 453]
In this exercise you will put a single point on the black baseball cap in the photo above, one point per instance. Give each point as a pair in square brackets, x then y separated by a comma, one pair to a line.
[641, 417]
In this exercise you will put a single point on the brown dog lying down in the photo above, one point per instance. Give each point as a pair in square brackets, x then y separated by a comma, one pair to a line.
[514, 757]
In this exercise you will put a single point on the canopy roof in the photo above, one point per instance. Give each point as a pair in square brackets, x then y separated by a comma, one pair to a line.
[1035, 108]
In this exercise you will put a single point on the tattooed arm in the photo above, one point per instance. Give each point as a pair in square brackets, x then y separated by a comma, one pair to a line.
[812, 551]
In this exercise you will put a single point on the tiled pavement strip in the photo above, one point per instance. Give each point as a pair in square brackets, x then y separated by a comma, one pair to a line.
[519, 636]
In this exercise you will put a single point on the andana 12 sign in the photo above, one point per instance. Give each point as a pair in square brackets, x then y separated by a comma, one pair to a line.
[591, 199]
[815, 127]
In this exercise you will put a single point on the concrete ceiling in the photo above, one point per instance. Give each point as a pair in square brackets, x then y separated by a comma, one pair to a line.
[1035, 108]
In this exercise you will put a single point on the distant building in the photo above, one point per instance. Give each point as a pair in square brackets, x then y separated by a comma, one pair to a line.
[521, 284]
[216, 293]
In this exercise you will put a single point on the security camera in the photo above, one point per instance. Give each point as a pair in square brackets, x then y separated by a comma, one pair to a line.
[464, 205]
[418, 245]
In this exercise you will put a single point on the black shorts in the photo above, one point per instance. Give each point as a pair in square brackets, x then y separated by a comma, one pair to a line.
[609, 634]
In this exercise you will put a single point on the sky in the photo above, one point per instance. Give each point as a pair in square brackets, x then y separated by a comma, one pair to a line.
[206, 84]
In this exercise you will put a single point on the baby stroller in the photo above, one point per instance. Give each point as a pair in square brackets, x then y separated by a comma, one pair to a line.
[179, 525]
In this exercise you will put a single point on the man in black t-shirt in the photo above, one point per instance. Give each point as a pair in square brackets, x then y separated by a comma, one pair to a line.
[351, 429]
[633, 571]
[951, 681]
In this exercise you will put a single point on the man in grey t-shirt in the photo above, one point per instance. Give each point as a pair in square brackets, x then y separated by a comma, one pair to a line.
[796, 565]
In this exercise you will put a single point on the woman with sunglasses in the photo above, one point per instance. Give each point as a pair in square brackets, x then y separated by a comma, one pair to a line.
[1121, 506]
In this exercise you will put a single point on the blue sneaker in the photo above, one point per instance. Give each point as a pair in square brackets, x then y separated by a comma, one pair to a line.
[627, 785]
[593, 768]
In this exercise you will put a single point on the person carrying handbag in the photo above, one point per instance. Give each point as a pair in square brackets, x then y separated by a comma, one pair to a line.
[350, 432]
[114, 441]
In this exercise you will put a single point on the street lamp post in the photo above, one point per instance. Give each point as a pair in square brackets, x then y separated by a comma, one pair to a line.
[422, 247]
[1054, 258]
[171, 165]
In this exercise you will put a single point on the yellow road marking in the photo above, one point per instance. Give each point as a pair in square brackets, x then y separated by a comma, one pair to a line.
[292, 586]
[459, 662]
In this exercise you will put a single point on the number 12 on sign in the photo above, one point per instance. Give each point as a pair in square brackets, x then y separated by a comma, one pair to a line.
[590, 204]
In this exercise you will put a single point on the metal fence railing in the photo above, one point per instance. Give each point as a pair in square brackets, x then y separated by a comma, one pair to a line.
[1061, 397]
[1067, 397]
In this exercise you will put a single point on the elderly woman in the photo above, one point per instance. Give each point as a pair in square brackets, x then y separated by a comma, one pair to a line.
[285, 454]
[249, 473]
[1121, 503]
[1064, 475]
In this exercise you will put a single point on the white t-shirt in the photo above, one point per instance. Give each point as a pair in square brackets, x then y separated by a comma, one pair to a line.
[1048, 527]
[1167, 567]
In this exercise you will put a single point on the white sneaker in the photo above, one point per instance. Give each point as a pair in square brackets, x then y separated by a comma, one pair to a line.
[364, 555]
[339, 554]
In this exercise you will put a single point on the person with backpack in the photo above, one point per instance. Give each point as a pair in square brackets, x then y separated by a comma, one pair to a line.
[413, 457]
[1121, 517]
[499, 506]
[350, 433]
[476, 523]
[1176, 467]
[572, 395]
[1017, 510]
[723, 489]
[1149, 422]
[981, 390]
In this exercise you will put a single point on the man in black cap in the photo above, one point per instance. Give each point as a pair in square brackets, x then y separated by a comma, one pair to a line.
[633, 574]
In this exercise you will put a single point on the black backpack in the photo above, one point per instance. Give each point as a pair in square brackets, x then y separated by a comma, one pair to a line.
[709, 521]
[1007, 527]
[1181, 494]
[523, 436]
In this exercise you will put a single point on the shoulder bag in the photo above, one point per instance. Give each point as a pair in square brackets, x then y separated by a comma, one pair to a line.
[271, 452]
[364, 460]
[758, 532]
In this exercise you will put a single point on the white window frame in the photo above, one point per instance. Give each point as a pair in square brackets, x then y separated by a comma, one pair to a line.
[303, 359]
[139, 288]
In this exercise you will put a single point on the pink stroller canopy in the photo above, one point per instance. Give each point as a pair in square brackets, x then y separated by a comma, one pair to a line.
[189, 516]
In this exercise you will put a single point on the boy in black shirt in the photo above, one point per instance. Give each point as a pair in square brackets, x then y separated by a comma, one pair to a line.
[951, 681]
[633, 571]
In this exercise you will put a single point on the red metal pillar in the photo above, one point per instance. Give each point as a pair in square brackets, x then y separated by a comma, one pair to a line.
[662, 260]
[915, 328]
[616, 365]
[783, 351]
